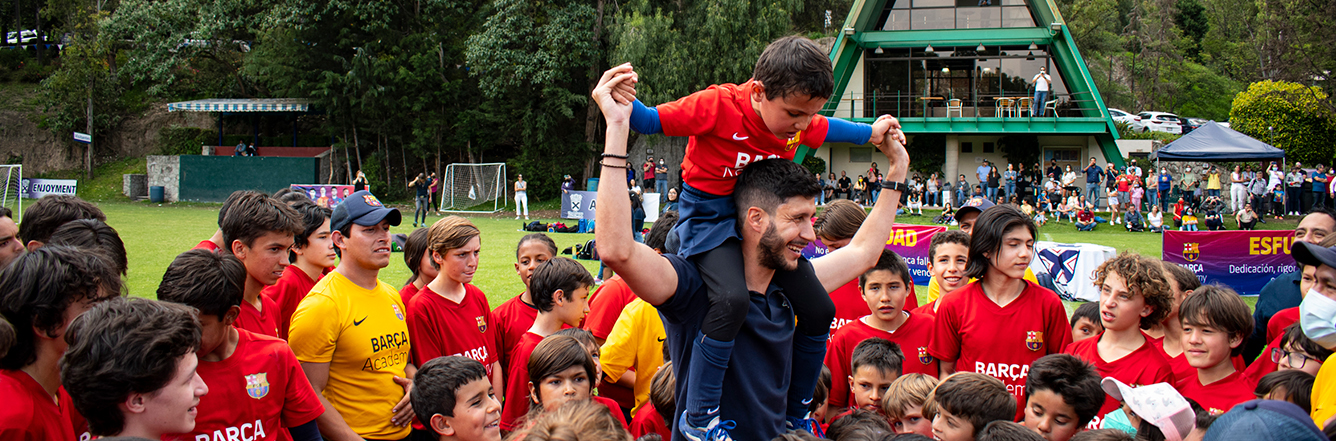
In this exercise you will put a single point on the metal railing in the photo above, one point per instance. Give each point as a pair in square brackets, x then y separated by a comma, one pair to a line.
[904, 105]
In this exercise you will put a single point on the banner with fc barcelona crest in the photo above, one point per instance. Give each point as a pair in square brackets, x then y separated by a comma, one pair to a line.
[1242, 260]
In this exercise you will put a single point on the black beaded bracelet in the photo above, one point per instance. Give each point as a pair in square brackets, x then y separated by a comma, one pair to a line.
[602, 164]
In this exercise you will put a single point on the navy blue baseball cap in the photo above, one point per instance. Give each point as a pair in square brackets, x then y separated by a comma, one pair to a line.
[362, 208]
[1313, 254]
[975, 204]
[1264, 420]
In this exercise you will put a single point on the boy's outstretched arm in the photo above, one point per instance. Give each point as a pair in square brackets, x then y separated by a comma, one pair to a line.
[839, 267]
[647, 273]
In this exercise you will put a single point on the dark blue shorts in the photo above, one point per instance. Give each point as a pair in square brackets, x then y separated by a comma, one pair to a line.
[706, 221]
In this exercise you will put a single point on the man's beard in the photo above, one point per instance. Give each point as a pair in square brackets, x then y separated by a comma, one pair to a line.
[771, 251]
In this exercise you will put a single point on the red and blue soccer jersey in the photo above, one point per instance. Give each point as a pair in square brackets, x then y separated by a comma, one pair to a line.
[1222, 395]
[517, 382]
[287, 293]
[1146, 365]
[850, 306]
[727, 134]
[255, 394]
[912, 336]
[1000, 341]
[263, 322]
[442, 327]
[29, 413]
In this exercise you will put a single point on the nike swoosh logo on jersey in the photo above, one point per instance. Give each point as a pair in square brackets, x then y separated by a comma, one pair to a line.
[739, 138]
[660, 339]
[358, 322]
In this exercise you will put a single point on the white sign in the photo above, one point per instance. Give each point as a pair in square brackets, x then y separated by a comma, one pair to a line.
[83, 137]
[1070, 267]
[37, 188]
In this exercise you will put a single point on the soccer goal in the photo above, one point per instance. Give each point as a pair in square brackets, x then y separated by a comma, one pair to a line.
[474, 188]
[11, 196]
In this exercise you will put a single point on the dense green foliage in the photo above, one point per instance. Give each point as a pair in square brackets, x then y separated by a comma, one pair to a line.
[1289, 116]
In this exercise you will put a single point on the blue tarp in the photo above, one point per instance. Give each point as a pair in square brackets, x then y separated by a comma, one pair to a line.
[1216, 143]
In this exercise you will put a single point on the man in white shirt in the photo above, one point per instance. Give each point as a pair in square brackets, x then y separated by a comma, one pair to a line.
[1041, 82]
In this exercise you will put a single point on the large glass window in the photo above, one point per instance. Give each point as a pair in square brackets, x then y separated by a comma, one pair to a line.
[955, 14]
[913, 82]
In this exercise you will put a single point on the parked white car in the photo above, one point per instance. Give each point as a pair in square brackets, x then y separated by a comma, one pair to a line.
[1158, 122]
[1120, 115]
[24, 37]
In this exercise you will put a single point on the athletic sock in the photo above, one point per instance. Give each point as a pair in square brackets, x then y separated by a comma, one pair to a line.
[709, 360]
[809, 352]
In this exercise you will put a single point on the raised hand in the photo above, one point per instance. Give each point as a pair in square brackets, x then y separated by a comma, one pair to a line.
[615, 82]
[886, 125]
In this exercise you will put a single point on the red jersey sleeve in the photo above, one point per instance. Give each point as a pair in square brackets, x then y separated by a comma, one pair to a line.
[837, 360]
[1059, 332]
[945, 344]
[815, 133]
[606, 306]
[300, 404]
[693, 114]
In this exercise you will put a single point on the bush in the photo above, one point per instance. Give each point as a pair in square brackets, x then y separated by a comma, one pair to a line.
[1294, 111]
[174, 141]
[815, 165]
[927, 153]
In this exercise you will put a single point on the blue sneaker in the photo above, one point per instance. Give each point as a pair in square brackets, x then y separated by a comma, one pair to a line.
[715, 431]
[811, 425]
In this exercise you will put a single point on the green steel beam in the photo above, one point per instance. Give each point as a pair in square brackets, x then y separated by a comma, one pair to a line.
[954, 37]
[1038, 126]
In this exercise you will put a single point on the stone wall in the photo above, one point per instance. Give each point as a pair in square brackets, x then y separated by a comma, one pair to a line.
[165, 171]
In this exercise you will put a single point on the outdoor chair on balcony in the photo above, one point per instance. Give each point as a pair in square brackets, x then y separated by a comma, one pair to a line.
[1025, 106]
[1050, 105]
[954, 106]
[1004, 107]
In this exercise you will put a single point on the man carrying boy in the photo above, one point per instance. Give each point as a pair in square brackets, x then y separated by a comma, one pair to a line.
[560, 289]
[774, 201]
[259, 231]
[350, 335]
[40, 293]
[966, 402]
[1133, 295]
[257, 388]
[1062, 396]
[130, 369]
[454, 398]
[729, 127]
[884, 288]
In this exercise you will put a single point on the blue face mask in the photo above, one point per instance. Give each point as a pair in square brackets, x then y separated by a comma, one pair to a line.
[1118, 420]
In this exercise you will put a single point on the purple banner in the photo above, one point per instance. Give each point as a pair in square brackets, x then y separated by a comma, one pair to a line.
[909, 241]
[1242, 260]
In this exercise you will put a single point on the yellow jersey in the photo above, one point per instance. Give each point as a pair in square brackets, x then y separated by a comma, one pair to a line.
[636, 341]
[1324, 396]
[363, 336]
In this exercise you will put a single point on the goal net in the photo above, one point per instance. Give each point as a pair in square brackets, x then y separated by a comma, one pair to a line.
[11, 196]
[479, 188]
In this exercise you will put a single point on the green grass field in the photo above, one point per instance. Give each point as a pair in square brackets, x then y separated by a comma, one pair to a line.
[154, 234]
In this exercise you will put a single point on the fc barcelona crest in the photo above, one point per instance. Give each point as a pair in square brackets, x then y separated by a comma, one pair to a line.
[371, 200]
[1191, 251]
[793, 142]
[482, 324]
[923, 356]
[397, 312]
[1034, 340]
[257, 385]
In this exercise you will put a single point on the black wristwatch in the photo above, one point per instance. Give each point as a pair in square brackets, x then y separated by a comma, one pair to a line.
[895, 186]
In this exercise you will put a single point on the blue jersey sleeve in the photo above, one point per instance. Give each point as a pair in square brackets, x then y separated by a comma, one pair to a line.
[644, 119]
[840, 131]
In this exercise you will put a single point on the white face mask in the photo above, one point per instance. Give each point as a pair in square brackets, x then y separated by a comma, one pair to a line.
[1317, 316]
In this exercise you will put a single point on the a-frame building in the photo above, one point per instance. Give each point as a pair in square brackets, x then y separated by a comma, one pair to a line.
[949, 67]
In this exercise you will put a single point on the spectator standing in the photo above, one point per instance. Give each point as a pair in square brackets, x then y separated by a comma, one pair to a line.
[994, 182]
[1294, 181]
[1110, 181]
[1053, 172]
[420, 187]
[649, 170]
[874, 185]
[1041, 82]
[661, 179]
[1163, 186]
[1319, 180]
[1257, 189]
[1187, 185]
[521, 197]
[1093, 175]
[1238, 189]
[1009, 178]
[982, 172]
[567, 184]
[1213, 182]
[359, 183]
